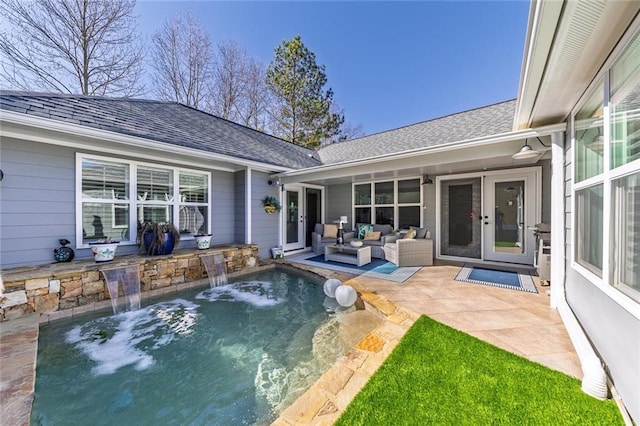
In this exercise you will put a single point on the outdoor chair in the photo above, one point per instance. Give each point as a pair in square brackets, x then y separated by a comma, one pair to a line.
[410, 252]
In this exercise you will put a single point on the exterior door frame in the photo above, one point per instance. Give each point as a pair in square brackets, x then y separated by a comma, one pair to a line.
[301, 215]
[535, 184]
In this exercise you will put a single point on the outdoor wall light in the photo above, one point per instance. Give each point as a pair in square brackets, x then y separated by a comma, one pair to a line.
[1, 175]
[525, 152]
[426, 180]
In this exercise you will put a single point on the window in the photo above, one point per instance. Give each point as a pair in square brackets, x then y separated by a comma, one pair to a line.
[396, 202]
[161, 194]
[606, 187]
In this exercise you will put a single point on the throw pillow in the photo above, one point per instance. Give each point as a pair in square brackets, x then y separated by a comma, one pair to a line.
[330, 231]
[362, 229]
[411, 234]
[420, 233]
[372, 235]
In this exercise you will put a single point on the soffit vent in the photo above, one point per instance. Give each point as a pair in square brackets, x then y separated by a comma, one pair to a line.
[587, 32]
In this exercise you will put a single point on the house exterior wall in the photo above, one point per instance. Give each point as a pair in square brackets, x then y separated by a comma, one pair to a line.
[612, 330]
[240, 203]
[264, 227]
[338, 199]
[38, 206]
[37, 201]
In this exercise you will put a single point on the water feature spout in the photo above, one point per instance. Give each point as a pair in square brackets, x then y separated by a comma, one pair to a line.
[215, 266]
[129, 278]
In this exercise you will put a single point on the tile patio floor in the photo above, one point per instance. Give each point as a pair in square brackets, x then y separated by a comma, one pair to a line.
[519, 322]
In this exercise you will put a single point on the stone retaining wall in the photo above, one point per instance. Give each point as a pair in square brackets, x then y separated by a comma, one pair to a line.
[49, 288]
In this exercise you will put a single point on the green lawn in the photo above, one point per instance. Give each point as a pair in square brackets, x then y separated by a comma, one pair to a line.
[440, 376]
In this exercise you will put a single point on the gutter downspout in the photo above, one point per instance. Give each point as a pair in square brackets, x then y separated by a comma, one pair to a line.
[594, 378]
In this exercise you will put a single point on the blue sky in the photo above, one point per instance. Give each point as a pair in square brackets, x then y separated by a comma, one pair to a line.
[389, 64]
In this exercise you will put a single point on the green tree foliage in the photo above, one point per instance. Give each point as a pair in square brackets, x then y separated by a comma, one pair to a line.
[302, 111]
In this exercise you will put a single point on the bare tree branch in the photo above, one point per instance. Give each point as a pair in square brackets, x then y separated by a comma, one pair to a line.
[71, 46]
[182, 61]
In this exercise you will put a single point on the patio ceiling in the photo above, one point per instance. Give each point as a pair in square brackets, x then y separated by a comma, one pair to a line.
[489, 153]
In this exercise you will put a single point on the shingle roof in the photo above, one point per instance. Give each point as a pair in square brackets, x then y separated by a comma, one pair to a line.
[485, 121]
[166, 122]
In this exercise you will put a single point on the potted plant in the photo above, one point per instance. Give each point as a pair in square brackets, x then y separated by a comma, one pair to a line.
[203, 241]
[157, 238]
[271, 204]
[104, 250]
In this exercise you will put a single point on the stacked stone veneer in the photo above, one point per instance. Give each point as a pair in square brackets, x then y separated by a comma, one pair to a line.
[64, 286]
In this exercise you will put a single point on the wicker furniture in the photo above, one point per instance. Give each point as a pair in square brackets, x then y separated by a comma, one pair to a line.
[318, 242]
[347, 254]
[410, 252]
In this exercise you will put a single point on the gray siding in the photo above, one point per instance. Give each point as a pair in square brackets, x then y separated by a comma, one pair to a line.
[37, 201]
[611, 329]
[239, 197]
[338, 200]
[264, 227]
[546, 190]
[429, 207]
[223, 201]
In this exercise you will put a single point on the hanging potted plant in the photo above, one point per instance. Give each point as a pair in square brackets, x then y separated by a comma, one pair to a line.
[104, 250]
[157, 238]
[271, 204]
[203, 241]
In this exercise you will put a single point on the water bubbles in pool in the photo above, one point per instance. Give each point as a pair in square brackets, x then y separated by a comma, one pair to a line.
[256, 293]
[129, 338]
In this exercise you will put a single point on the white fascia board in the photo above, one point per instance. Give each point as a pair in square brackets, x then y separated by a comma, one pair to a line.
[469, 143]
[544, 17]
[55, 126]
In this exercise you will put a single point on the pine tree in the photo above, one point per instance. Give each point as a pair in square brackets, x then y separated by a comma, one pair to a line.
[302, 111]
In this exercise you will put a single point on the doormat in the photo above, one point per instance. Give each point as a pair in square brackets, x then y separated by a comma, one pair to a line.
[378, 268]
[514, 280]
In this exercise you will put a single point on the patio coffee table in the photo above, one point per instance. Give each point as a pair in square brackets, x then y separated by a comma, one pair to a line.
[347, 254]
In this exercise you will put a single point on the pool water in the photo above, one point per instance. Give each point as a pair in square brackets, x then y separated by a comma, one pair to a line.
[234, 355]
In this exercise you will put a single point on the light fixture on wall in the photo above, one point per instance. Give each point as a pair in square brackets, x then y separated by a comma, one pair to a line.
[426, 180]
[525, 152]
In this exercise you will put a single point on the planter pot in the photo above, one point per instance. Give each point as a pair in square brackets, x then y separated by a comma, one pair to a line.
[203, 242]
[104, 252]
[167, 248]
[270, 209]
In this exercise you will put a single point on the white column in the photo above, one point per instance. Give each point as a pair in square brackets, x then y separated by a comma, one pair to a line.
[557, 219]
[247, 206]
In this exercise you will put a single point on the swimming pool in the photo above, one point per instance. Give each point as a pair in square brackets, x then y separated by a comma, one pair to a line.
[236, 354]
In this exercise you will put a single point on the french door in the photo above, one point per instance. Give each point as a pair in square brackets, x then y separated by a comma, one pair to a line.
[293, 218]
[508, 214]
[488, 216]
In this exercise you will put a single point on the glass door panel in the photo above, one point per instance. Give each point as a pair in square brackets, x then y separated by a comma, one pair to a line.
[293, 220]
[460, 212]
[508, 233]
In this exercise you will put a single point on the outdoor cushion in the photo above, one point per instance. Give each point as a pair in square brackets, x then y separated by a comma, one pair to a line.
[411, 233]
[384, 229]
[420, 233]
[330, 231]
[319, 229]
[372, 235]
[362, 228]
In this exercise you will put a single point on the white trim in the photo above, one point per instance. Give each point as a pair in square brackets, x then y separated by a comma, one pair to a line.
[448, 147]
[109, 136]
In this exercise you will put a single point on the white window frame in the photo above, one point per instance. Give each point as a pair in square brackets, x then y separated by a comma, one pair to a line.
[133, 202]
[396, 204]
[606, 178]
